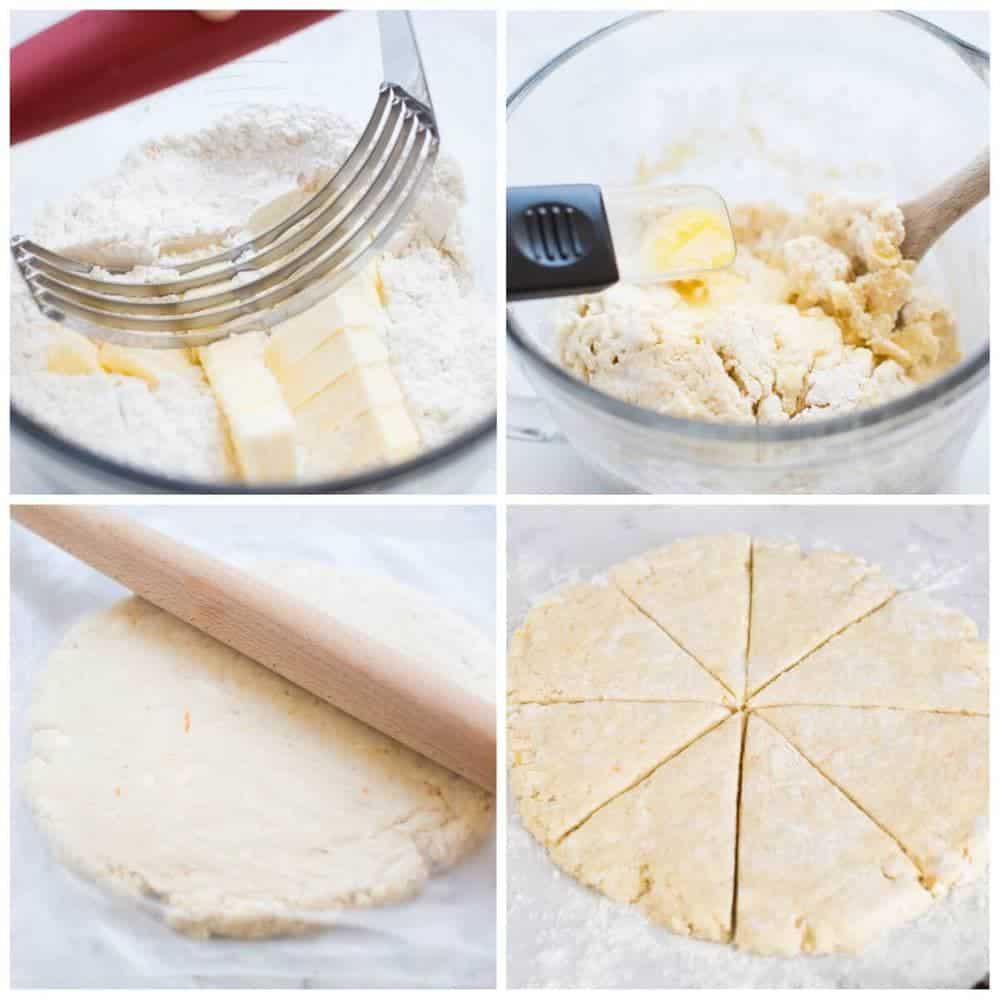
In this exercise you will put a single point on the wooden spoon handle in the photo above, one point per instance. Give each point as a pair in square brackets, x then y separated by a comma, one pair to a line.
[930, 216]
[337, 663]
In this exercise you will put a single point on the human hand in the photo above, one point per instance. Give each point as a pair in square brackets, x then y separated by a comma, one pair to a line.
[217, 15]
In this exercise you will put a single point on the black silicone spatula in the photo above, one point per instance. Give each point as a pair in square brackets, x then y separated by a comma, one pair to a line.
[567, 239]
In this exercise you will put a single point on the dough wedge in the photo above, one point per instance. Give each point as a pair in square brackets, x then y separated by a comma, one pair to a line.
[589, 642]
[668, 845]
[911, 653]
[800, 600]
[814, 873]
[569, 760]
[922, 776]
[709, 620]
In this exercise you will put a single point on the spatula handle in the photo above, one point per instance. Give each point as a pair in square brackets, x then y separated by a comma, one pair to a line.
[558, 242]
[97, 60]
[337, 663]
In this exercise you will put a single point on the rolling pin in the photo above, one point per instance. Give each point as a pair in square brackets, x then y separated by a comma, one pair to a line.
[339, 664]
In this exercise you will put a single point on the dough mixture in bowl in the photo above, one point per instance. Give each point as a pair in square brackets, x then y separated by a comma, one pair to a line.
[398, 361]
[818, 316]
[746, 742]
[175, 769]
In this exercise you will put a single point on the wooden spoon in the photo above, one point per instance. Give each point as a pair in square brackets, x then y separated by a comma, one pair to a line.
[337, 663]
[930, 216]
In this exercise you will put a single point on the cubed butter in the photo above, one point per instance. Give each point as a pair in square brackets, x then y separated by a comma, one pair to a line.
[149, 364]
[346, 350]
[354, 306]
[260, 422]
[71, 353]
[369, 388]
[378, 437]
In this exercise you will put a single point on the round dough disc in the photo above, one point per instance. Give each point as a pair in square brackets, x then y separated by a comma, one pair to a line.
[811, 817]
[176, 769]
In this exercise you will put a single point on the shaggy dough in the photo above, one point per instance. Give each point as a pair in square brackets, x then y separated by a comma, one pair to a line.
[817, 316]
[845, 828]
[175, 769]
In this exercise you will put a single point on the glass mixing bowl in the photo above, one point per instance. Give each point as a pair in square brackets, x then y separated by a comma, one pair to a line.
[767, 107]
[334, 64]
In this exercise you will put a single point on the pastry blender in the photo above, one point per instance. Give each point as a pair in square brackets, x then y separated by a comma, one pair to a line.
[280, 272]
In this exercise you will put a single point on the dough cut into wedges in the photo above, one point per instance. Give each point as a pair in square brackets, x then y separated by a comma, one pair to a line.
[814, 873]
[799, 601]
[912, 653]
[698, 591]
[668, 845]
[922, 776]
[569, 760]
[589, 642]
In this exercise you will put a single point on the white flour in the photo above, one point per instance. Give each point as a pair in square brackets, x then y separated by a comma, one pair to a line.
[186, 194]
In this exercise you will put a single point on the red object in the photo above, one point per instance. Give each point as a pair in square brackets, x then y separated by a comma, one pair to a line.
[100, 59]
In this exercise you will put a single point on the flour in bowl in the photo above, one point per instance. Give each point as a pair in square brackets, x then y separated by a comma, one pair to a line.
[400, 360]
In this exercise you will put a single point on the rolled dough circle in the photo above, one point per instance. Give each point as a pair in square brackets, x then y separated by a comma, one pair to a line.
[174, 768]
[793, 805]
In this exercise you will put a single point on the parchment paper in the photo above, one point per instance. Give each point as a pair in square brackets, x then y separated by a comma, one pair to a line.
[562, 934]
[67, 932]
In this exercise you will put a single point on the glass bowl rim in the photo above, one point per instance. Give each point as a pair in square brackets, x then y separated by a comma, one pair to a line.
[92, 461]
[967, 374]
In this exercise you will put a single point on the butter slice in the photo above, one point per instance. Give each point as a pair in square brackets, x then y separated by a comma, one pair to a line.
[369, 388]
[354, 306]
[261, 425]
[342, 353]
[378, 437]
[149, 364]
[71, 353]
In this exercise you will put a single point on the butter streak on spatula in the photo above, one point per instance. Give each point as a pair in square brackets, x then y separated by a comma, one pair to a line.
[575, 238]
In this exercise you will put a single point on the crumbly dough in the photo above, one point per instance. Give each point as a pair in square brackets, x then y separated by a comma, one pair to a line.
[818, 316]
[811, 806]
[173, 768]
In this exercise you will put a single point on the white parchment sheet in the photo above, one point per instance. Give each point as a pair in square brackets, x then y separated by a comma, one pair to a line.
[563, 934]
[67, 932]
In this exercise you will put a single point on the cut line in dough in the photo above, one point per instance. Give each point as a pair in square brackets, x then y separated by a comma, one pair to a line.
[813, 595]
[567, 761]
[938, 760]
[888, 872]
[815, 873]
[911, 652]
[709, 621]
[586, 641]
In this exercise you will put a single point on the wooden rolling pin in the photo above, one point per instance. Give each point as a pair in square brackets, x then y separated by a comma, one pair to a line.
[337, 663]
